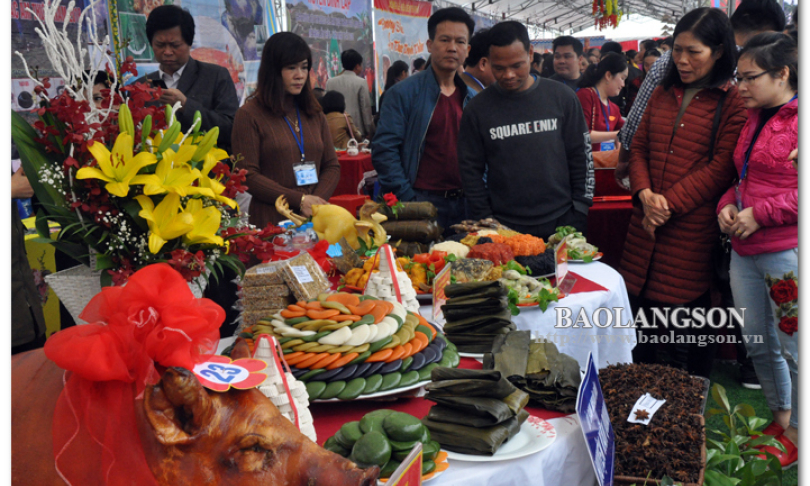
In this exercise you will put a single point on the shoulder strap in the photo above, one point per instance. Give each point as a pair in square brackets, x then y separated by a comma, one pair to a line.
[716, 123]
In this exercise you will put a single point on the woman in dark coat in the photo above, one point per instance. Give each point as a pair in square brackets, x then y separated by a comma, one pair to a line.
[677, 177]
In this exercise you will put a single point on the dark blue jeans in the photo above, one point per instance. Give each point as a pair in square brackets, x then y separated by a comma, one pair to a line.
[451, 210]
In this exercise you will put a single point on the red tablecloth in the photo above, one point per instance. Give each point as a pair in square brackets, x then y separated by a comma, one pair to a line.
[330, 416]
[351, 172]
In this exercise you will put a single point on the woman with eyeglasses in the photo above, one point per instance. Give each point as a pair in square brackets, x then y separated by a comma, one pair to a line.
[760, 213]
[680, 165]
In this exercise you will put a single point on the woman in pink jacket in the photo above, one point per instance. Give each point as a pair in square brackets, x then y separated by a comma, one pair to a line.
[760, 214]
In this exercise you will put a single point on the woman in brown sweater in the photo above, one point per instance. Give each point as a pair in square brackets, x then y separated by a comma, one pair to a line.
[282, 135]
[340, 123]
[677, 174]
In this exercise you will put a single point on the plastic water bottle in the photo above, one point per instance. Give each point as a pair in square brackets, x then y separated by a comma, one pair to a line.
[301, 238]
[283, 241]
[313, 236]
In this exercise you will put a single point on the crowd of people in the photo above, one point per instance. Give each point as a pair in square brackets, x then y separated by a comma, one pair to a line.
[703, 125]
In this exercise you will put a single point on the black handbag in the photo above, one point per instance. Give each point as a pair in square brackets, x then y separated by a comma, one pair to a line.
[721, 253]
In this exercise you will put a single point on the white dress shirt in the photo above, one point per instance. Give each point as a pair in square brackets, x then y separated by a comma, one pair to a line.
[171, 80]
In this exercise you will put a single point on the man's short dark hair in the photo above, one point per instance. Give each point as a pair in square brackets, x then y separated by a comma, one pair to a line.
[567, 40]
[758, 15]
[168, 17]
[611, 46]
[450, 14]
[506, 33]
[479, 48]
[350, 58]
[418, 63]
[537, 58]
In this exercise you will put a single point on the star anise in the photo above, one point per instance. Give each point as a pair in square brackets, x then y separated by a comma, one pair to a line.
[642, 414]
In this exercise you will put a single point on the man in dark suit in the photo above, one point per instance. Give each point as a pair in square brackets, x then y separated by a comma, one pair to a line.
[198, 86]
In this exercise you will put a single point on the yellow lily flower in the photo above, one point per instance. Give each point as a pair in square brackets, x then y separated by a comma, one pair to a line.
[166, 222]
[173, 174]
[206, 182]
[206, 224]
[118, 168]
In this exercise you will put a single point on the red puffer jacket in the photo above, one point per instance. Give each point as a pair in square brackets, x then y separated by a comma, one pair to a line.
[676, 266]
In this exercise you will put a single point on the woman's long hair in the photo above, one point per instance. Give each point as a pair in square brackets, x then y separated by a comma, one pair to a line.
[612, 63]
[711, 27]
[394, 72]
[283, 49]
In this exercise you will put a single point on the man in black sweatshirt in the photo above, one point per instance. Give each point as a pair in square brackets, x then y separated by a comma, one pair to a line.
[529, 135]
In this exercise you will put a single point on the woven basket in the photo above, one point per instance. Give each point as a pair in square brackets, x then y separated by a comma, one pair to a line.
[76, 286]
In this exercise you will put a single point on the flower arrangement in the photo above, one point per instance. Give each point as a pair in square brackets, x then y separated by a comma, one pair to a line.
[785, 293]
[123, 179]
[607, 13]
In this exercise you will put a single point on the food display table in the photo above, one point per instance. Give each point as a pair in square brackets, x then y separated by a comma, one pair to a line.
[609, 345]
[564, 462]
[351, 172]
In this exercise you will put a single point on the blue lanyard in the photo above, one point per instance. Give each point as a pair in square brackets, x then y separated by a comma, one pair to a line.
[299, 142]
[744, 171]
[606, 115]
[476, 80]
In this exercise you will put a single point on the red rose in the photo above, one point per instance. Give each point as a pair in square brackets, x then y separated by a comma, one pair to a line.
[390, 199]
[784, 291]
[789, 325]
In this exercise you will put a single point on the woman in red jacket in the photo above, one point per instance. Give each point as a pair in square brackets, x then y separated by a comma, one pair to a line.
[599, 83]
[760, 213]
[678, 170]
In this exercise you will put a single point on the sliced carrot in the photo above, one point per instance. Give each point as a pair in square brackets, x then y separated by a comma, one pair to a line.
[322, 314]
[302, 304]
[297, 359]
[397, 352]
[323, 363]
[422, 339]
[342, 361]
[288, 314]
[441, 466]
[296, 308]
[344, 298]
[424, 322]
[379, 311]
[346, 317]
[380, 355]
[440, 457]
[363, 308]
[408, 347]
[314, 305]
[388, 306]
[315, 357]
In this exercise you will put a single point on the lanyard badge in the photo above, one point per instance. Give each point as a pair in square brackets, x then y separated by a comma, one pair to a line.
[306, 173]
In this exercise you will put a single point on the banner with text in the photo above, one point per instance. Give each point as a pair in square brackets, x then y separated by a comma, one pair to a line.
[331, 27]
[401, 34]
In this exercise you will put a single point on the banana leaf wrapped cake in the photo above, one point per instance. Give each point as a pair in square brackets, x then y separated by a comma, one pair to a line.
[476, 411]
[476, 313]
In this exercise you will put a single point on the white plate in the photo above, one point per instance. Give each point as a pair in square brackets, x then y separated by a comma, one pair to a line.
[595, 259]
[386, 393]
[535, 435]
[472, 355]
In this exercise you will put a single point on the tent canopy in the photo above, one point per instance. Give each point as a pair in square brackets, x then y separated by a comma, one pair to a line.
[572, 16]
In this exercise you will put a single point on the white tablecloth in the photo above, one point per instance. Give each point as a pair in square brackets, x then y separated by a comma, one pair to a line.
[564, 463]
[609, 345]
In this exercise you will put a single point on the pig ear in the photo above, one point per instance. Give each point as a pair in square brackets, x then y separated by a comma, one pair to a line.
[240, 350]
[178, 407]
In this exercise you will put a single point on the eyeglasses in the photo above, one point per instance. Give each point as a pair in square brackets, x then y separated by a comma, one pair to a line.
[750, 79]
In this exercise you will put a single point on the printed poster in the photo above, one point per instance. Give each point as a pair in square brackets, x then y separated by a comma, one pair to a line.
[331, 27]
[230, 33]
[401, 33]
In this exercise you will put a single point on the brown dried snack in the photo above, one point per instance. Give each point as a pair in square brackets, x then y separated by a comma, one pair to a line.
[266, 292]
[250, 317]
[263, 275]
[267, 303]
[305, 277]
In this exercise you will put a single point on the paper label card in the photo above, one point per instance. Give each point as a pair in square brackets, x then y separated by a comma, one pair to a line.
[302, 274]
[441, 281]
[409, 472]
[219, 373]
[644, 409]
